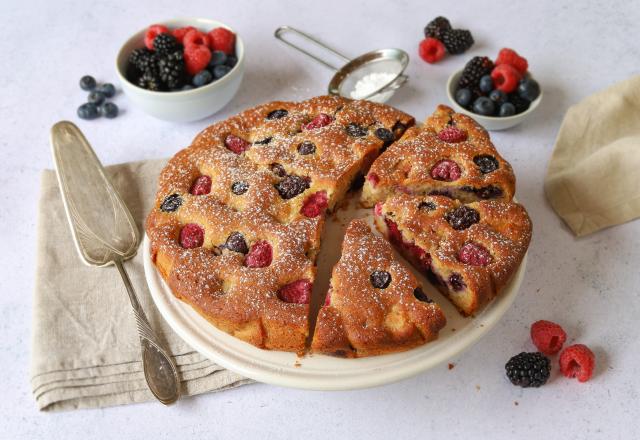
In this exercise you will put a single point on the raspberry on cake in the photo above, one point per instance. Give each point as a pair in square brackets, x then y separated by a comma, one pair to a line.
[468, 251]
[375, 304]
[450, 155]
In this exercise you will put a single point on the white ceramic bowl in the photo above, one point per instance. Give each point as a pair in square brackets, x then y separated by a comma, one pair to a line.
[493, 123]
[188, 105]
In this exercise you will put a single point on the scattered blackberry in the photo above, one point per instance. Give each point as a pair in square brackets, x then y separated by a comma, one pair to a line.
[291, 186]
[143, 60]
[457, 41]
[518, 102]
[306, 147]
[437, 27]
[528, 369]
[462, 217]
[486, 163]
[171, 70]
[356, 130]
[236, 243]
[475, 69]
[165, 44]
[150, 81]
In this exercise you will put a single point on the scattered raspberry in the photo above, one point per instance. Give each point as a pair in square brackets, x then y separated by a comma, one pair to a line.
[201, 186]
[298, 292]
[181, 32]
[153, 31]
[327, 299]
[195, 38]
[315, 204]
[446, 170]
[319, 121]
[191, 236]
[222, 39]
[236, 144]
[452, 135]
[577, 361]
[373, 178]
[431, 50]
[511, 57]
[505, 78]
[377, 210]
[474, 254]
[423, 259]
[196, 58]
[547, 336]
[395, 236]
[260, 255]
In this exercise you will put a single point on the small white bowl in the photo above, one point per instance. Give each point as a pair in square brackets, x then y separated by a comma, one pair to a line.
[188, 105]
[493, 123]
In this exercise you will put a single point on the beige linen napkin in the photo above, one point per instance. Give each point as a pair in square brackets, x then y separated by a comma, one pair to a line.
[593, 180]
[85, 348]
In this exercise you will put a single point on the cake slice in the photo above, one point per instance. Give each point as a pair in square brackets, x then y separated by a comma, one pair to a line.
[469, 251]
[375, 305]
[451, 155]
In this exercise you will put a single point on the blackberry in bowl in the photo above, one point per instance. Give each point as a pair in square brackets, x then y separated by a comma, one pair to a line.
[163, 68]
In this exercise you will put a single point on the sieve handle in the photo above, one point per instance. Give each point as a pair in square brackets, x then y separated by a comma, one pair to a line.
[284, 29]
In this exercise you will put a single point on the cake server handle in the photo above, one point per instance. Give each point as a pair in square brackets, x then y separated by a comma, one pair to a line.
[159, 370]
[288, 29]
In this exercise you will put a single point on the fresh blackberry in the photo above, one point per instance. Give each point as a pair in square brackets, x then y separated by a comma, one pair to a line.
[171, 70]
[518, 102]
[150, 81]
[165, 44]
[528, 369]
[457, 41]
[436, 28]
[143, 60]
[475, 69]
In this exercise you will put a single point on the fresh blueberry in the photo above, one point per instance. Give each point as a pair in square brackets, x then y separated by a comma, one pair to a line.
[464, 97]
[507, 109]
[107, 89]
[87, 83]
[486, 84]
[218, 58]
[529, 89]
[88, 111]
[498, 96]
[484, 106]
[187, 87]
[231, 61]
[108, 110]
[220, 71]
[96, 98]
[202, 78]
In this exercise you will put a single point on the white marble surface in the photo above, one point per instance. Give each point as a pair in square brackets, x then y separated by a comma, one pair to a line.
[589, 285]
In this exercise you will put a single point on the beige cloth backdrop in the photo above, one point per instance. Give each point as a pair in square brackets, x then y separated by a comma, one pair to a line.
[85, 348]
[593, 180]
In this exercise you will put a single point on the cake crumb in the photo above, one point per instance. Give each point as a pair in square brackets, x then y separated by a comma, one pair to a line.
[515, 402]
[477, 387]
[451, 366]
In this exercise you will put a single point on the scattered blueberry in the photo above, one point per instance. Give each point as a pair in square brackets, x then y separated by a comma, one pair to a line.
[498, 96]
[202, 78]
[486, 163]
[462, 217]
[486, 84]
[529, 89]
[464, 97]
[96, 98]
[220, 71]
[171, 203]
[88, 111]
[356, 130]
[108, 110]
[107, 89]
[380, 279]
[277, 114]
[218, 58]
[239, 187]
[306, 147]
[421, 296]
[484, 106]
[236, 243]
[231, 61]
[187, 87]
[507, 109]
[87, 83]
[385, 136]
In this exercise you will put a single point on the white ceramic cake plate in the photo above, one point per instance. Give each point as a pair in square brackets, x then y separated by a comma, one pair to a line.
[319, 372]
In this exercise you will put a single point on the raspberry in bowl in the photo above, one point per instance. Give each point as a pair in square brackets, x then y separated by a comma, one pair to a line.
[182, 70]
[498, 93]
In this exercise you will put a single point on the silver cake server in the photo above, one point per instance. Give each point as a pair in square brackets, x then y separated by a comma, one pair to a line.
[105, 233]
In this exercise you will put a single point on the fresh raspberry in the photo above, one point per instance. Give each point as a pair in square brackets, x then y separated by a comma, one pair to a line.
[431, 50]
[577, 361]
[195, 38]
[260, 255]
[153, 31]
[506, 77]
[377, 210]
[452, 135]
[236, 144]
[315, 204]
[181, 32]
[298, 292]
[511, 57]
[395, 236]
[191, 236]
[547, 336]
[196, 58]
[474, 254]
[373, 178]
[222, 39]
[319, 121]
[446, 170]
[201, 186]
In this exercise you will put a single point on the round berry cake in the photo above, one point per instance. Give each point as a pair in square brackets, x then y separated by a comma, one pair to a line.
[238, 214]
[375, 305]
